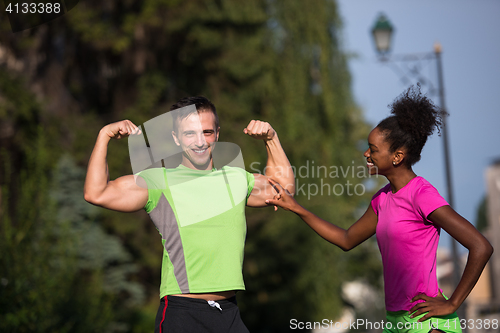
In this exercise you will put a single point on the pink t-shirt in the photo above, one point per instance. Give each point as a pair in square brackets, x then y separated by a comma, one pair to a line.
[408, 241]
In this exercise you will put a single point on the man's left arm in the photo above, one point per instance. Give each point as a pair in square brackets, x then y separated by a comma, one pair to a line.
[277, 168]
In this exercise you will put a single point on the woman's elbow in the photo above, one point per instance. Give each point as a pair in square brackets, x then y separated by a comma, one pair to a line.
[345, 247]
[489, 249]
[485, 249]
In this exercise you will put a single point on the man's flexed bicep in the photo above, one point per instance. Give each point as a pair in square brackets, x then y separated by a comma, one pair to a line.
[277, 168]
[262, 191]
[125, 194]
[122, 194]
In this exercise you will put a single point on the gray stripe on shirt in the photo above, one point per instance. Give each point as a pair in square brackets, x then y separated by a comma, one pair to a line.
[165, 221]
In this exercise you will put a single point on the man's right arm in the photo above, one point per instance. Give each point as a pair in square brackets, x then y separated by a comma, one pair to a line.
[122, 194]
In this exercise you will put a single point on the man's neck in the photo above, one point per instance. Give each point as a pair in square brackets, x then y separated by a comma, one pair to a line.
[205, 167]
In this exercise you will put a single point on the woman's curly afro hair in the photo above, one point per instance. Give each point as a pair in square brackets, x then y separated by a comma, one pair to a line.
[414, 119]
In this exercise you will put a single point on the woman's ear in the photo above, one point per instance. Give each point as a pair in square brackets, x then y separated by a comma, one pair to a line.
[399, 156]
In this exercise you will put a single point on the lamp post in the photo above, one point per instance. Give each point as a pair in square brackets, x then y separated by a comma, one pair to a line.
[382, 35]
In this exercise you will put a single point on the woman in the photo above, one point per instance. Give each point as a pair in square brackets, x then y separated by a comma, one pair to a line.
[406, 215]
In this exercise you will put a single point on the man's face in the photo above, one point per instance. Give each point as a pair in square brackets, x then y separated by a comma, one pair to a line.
[196, 135]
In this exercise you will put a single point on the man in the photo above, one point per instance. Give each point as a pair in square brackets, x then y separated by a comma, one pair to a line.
[198, 210]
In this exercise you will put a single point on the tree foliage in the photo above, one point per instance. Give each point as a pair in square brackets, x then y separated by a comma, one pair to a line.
[274, 60]
[482, 215]
[42, 287]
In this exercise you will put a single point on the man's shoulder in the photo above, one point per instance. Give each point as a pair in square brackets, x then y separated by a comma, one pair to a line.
[233, 168]
[154, 177]
[238, 171]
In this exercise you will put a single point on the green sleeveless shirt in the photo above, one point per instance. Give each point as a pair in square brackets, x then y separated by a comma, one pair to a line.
[200, 216]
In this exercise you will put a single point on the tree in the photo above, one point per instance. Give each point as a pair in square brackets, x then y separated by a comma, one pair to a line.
[482, 215]
[40, 280]
[320, 127]
[274, 60]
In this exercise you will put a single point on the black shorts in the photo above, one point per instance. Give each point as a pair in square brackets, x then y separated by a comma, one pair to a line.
[190, 315]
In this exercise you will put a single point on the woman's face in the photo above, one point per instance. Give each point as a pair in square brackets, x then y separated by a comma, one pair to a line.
[379, 159]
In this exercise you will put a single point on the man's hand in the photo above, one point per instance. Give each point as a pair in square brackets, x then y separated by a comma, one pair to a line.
[260, 130]
[121, 129]
[434, 306]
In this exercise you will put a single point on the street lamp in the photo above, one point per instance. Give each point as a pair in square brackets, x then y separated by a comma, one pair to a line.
[382, 35]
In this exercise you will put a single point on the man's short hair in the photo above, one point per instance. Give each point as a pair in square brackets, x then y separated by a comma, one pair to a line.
[201, 103]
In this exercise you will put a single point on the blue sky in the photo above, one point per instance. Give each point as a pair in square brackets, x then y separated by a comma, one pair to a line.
[469, 32]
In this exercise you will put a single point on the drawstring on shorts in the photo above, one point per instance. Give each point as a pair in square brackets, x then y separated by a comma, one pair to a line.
[214, 304]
